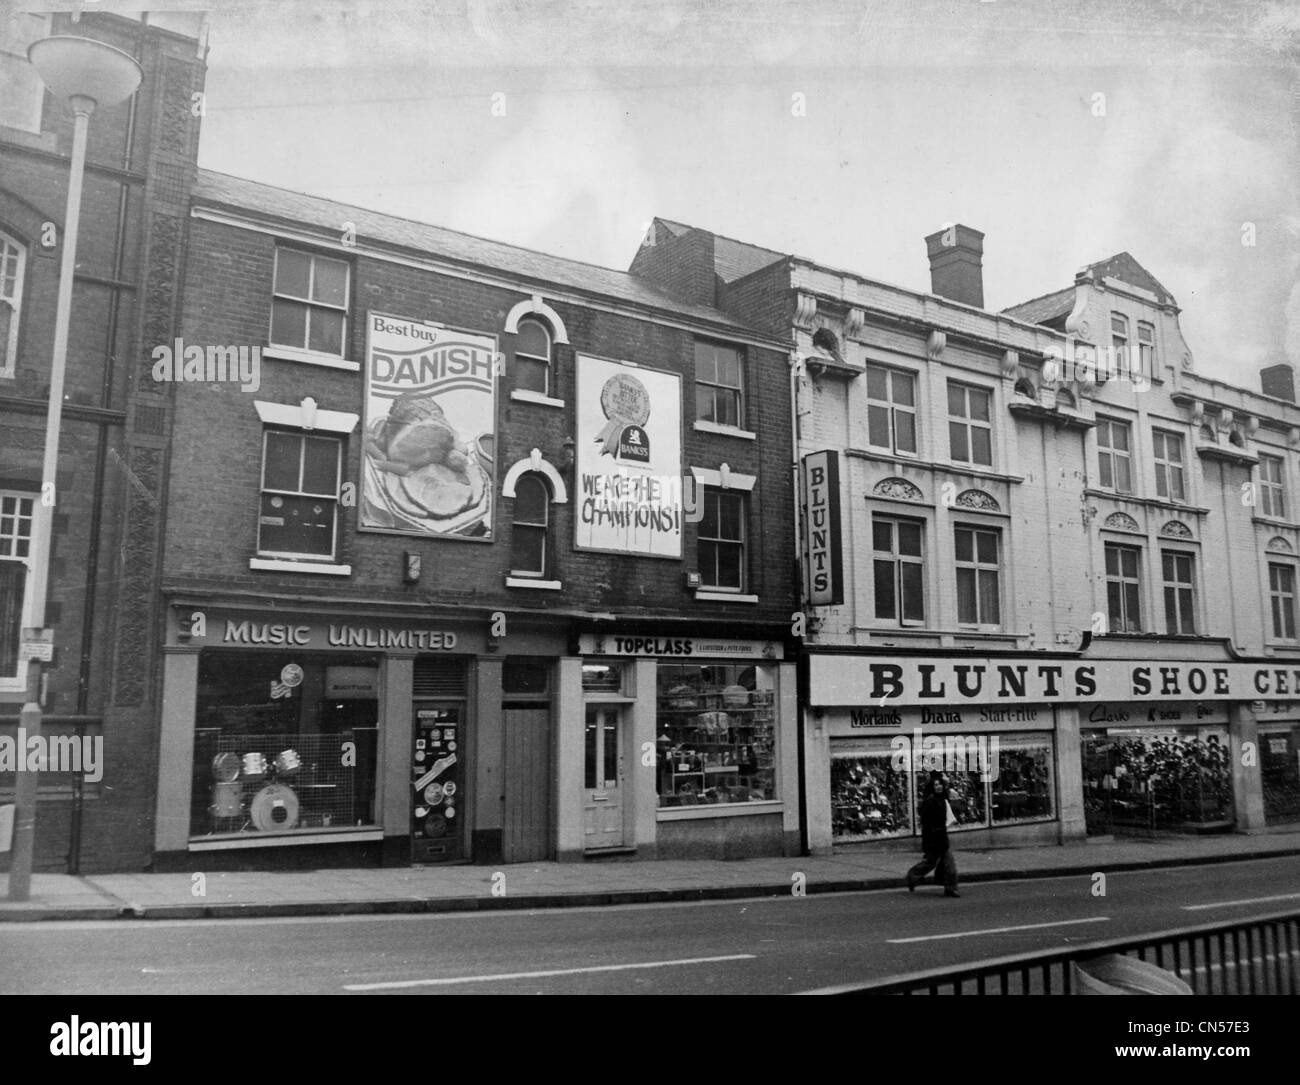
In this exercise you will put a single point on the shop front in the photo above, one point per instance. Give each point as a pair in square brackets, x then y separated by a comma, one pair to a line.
[688, 747]
[1044, 748]
[1157, 768]
[306, 738]
[1279, 760]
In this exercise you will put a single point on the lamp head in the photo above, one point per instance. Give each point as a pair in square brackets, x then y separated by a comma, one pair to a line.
[75, 67]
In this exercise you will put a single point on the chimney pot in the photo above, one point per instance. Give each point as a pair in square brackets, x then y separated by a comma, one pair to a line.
[956, 264]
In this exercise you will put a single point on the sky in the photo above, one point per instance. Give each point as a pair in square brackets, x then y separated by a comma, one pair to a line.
[839, 131]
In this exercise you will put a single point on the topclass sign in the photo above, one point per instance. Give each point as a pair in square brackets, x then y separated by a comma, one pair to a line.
[854, 681]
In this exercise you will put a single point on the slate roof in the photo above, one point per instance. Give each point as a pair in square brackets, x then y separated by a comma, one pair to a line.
[1048, 307]
[284, 206]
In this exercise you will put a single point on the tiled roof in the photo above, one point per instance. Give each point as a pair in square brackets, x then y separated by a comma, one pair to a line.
[535, 268]
[1122, 266]
[1048, 307]
[734, 259]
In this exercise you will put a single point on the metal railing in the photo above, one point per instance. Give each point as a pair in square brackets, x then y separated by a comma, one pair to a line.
[1259, 956]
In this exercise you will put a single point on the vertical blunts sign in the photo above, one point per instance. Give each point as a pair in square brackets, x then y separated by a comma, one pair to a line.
[823, 559]
[629, 455]
[430, 430]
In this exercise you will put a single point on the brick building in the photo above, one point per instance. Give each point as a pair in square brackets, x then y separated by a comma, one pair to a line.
[472, 559]
[1037, 536]
[109, 495]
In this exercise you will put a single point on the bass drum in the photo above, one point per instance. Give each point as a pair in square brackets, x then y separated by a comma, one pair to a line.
[274, 807]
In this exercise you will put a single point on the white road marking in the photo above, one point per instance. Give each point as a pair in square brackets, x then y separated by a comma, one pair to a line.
[540, 975]
[1238, 903]
[998, 930]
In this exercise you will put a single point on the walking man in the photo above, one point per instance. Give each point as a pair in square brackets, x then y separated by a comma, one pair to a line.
[935, 813]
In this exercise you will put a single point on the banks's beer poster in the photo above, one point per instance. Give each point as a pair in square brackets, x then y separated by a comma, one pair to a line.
[430, 420]
[629, 459]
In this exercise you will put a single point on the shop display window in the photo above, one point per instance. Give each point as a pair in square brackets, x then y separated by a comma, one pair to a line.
[1024, 787]
[870, 797]
[717, 734]
[1157, 781]
[967, 795]
[1279, 773]
[284, 742]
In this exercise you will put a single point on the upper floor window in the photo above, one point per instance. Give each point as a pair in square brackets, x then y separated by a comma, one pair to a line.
[1168, 452]
[1281, 595]
[22, 93]
[891, 410]
[1180, 610]
[528, 550]
[1119, 346]
[721, 535]
[1272, 488]
[1124, 588]
[719, 385]
[970, 426]
[13, 262]
[898, 567]
[533, 347]
[1147, 348]
[1114, 456]
[309, 310]
[16, 520]
[977, 576]
[300, 495]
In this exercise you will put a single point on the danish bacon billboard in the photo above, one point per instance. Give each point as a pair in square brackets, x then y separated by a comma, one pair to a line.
[430, 422]
[822, 544]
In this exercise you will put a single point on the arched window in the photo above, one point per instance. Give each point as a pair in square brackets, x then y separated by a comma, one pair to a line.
[533, 356]
[1235, 438]
[1025, 387]
[528, 550]
[1208, 435]
[1065, 399]
[13, 260]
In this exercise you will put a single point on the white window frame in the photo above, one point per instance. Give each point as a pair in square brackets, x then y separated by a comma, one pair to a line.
[977, 567]
[11, 247]
[1119, 344]
[970, 423]
[1165, 466]
[738, 389]
[1277, 597]
[1272, 492]
[548, 361]
[304, 435]
[18, 682]
[1108, 450]
[898, 560]
[8, 55]
[892, 409]
[744, 497]
[1188, 585]
[1147, 348]
[306, 352]
[1123, 580]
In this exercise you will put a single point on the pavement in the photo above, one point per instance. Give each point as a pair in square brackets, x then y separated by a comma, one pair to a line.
[460, 888]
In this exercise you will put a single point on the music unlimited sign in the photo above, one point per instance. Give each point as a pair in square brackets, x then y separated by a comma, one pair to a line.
[629, 459]
[847, 680]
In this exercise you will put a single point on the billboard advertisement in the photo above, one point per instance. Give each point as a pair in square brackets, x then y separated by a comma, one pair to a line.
[629, 459]
[430, 430]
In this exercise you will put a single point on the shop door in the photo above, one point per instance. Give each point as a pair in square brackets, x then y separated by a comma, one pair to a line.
[603, 779]
[526, 808]
[436, 773]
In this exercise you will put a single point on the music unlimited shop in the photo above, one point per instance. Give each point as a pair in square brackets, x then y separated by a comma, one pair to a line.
[286, 732]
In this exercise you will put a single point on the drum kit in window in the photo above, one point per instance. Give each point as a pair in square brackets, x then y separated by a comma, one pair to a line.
[274, 805]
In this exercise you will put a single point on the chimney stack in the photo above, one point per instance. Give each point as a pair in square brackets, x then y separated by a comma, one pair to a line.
[1278, 381]
[956, 264]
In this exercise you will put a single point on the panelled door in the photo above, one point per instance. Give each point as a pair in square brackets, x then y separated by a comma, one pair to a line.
[602, 795]
[526, 810]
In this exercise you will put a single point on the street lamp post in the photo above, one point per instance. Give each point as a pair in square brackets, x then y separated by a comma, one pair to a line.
[88, 74]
